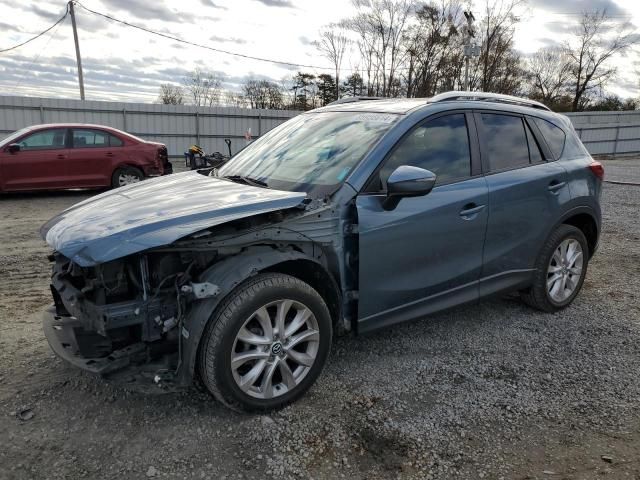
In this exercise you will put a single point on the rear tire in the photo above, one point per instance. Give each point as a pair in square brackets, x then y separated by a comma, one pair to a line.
[126, 175]
[560, 270]
[266, 343]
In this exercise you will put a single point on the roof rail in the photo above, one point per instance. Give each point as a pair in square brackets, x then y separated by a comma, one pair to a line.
[487, 97]
[353, 99]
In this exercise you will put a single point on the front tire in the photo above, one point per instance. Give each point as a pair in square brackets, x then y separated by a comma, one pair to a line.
[266, 344]
[126, 176]
[561, 268]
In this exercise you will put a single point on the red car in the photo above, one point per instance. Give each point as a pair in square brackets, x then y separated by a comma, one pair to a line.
[58, 156]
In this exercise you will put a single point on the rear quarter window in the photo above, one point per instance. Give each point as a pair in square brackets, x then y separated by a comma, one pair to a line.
[553, 135]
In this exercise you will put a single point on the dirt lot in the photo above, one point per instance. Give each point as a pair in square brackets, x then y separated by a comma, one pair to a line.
[493, 390]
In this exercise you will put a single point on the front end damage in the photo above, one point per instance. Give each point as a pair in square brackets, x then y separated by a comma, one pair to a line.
[138, 319]
[121, 315]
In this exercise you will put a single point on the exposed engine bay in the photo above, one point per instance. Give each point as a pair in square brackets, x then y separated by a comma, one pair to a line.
[147, 310]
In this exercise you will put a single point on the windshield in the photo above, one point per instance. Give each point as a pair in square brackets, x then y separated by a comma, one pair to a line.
[13, 136]
[310, 153]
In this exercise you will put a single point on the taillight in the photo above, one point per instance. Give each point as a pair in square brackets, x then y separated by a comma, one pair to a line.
[597, 169]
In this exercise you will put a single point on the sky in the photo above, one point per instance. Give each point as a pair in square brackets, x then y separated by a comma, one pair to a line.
[124, 64]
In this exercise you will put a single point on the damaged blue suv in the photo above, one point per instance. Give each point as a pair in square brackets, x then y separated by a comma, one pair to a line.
[348, 218]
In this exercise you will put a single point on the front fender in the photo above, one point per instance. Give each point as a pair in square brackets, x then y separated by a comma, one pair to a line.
[227, 275]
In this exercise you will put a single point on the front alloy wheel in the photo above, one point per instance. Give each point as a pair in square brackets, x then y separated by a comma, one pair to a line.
[266, 343]
[275, 349]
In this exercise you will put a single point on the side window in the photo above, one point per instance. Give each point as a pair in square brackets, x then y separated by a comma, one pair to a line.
[535, 155]
[553, 135]
[90, 139]
[44, 140]
[506, 140]
[440, 145]
[115, 141]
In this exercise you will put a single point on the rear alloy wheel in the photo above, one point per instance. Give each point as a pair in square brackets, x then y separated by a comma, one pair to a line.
[266, 344]
[560, 270]
[124, 176]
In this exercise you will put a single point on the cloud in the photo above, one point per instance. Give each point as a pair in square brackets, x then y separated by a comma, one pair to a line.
[561, 27]
[144, 9]
[218, 39]
[46, 14]
[550, 42]
[210, 3]
[579, 6]
[277, 3]
[305, 40]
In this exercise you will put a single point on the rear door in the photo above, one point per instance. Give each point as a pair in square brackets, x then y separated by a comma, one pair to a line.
[426, 253]
[526, 194]
[93, 157]
[40, 163]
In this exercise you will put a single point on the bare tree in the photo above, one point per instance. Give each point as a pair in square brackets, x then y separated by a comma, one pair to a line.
[498, 68]
[379, 25]
[431, 47]
[333, 44]
[170, 94]
[203, 87]
[234, 99]
[263, 94]
[549, 72]
[595, 41]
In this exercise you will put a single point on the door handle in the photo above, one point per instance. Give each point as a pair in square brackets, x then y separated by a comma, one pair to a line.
[555, 185]
[470, 211]
[109, 154]
[61, 156]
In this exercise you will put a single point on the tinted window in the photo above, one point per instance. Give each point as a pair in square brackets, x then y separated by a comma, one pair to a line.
[115, 141]
[90, 139]
[506, 140]
[45, 139]
[535, 155]
[440, 145]
[553, 135]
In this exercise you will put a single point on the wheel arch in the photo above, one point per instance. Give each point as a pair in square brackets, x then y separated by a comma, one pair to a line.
[588, 225]
[231, 272]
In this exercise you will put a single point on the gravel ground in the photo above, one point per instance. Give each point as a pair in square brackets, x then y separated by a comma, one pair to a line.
[623, 169]
[492, 390]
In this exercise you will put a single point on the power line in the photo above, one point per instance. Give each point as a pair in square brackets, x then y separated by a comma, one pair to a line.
[180, 40]
[38, 35]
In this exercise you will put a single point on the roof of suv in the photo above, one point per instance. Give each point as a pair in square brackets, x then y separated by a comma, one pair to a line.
[404, 105]
[382, 105]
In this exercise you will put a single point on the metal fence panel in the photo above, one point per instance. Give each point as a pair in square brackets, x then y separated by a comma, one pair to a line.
[177, 126]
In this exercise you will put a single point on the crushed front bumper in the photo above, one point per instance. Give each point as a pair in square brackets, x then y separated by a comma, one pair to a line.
[128, 366]
[66, 336]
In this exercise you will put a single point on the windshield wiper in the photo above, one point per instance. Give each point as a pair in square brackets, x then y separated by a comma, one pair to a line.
[254, 182]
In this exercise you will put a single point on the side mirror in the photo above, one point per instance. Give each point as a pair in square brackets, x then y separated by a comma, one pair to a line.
[406, 181]
[14, 148]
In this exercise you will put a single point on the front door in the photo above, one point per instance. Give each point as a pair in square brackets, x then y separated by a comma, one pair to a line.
[39, 164]
[426, 253]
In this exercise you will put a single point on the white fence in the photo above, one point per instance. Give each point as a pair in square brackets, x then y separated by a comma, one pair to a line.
[603, 133]
[608, 133]
[177, 126]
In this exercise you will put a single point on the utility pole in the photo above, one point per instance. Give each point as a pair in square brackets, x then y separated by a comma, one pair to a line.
[78, 59]
[470, 48]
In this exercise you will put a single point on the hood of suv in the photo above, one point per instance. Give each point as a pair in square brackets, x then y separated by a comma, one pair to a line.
[154, 213]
